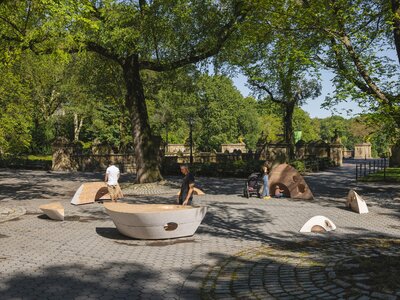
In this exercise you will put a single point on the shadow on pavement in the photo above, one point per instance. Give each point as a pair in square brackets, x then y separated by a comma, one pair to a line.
[111, 281]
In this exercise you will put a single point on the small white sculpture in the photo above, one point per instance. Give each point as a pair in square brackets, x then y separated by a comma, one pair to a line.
[356, 203]
[53, 210]
[318, 224]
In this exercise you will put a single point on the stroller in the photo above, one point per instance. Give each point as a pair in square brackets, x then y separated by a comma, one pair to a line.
[252, 186]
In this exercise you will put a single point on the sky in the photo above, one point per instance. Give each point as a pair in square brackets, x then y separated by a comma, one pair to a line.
[313, 107]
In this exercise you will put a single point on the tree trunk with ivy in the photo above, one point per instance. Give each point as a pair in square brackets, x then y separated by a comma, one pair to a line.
[146, 147]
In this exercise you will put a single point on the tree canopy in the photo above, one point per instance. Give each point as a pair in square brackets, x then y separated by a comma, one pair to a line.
[125, 72]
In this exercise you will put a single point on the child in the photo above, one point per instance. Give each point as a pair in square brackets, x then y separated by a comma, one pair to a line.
[278, 192]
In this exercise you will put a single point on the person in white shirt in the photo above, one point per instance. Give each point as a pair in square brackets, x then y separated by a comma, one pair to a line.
[112, 176]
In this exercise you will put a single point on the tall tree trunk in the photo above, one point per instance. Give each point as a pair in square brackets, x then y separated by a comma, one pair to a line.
[78, 123]
[288, 121]
[146, 148]
[396, 26]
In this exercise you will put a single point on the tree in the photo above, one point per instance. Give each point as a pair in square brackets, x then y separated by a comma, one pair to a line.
[143, 35]
[276, 58]
[353, 35]
[220, 112]
[309, 127]
[279, 74]
[15, 115]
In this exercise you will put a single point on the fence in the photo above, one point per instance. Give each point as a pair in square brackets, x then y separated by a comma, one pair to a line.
[369, 167]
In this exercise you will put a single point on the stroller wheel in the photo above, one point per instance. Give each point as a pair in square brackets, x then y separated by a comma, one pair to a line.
[246, 193]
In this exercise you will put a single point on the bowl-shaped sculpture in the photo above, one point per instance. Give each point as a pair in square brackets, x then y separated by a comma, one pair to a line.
[155, 221]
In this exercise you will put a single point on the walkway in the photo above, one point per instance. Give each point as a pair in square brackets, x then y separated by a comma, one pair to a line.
[245, 248]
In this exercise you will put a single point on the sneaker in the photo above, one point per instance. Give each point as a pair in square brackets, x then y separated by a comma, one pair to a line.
[267, 197]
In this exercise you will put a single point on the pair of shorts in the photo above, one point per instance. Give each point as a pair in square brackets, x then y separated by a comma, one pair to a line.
[113, 190]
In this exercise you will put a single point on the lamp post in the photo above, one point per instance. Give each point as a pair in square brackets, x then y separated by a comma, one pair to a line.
[191, 122]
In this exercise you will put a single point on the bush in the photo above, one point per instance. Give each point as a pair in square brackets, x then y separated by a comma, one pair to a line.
[299, 165]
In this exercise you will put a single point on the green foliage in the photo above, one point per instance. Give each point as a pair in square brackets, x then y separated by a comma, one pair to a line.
[279, 45]
[299, 165]
[310, 128]
[15, 115]
[390, 175]
[40, 157]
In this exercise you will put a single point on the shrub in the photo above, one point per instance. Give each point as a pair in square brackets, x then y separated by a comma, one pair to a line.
[299, 165]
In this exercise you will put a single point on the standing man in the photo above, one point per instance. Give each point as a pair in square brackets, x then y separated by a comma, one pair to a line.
[112, 176]
[186, 194]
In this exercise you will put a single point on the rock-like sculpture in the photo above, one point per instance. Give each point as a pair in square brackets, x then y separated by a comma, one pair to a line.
[290, 181]
[91, 192]
[318, 224]
[155, 221]
[53, 210]
[356, 203]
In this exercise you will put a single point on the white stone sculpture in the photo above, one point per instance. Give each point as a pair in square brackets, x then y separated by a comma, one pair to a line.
[155, 221]
[356, 203]
[318, 224]
[53, 210]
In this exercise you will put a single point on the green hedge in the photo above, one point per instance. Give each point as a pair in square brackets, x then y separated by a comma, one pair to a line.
[30, 162]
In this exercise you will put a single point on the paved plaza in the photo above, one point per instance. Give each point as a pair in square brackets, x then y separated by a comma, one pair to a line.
[244, 249]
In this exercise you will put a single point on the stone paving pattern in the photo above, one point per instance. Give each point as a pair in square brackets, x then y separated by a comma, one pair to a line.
[244, 249]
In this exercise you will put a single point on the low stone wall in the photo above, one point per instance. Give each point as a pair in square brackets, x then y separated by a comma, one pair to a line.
[66, 157]
[99, 162]
[348, 153]
[231, 148]
[362, 151]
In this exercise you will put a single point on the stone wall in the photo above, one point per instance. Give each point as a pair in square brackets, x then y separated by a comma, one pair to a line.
[99, 162]
[348, 153]
[69, 157]
[175, 148]
[62, 155]
[230, 148]
[362, 151]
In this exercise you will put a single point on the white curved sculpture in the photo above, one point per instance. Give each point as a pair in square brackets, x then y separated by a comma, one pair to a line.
[155, 221]
[53, 210]
[92, 191]
[318, 224]
[356, 203]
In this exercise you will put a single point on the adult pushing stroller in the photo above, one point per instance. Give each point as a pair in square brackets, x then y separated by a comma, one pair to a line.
[252, 185]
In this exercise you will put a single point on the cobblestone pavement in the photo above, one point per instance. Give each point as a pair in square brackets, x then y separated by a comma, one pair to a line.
[11, 213]
[244, 249]
[321, 270]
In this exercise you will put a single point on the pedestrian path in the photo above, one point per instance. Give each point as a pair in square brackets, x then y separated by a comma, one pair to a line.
[244, 249]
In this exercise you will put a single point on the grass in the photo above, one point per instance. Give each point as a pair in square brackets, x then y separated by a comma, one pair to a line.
[392, 175]
[40, 157]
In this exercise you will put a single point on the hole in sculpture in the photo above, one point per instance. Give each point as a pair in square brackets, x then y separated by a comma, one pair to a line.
[282, 186]
[101, 192]
[170, 226]
[296, 178]
[301, 188]
[317, 228]
[328, 223]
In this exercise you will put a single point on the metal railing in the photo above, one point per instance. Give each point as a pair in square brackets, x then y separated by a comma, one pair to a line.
[370, 167]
